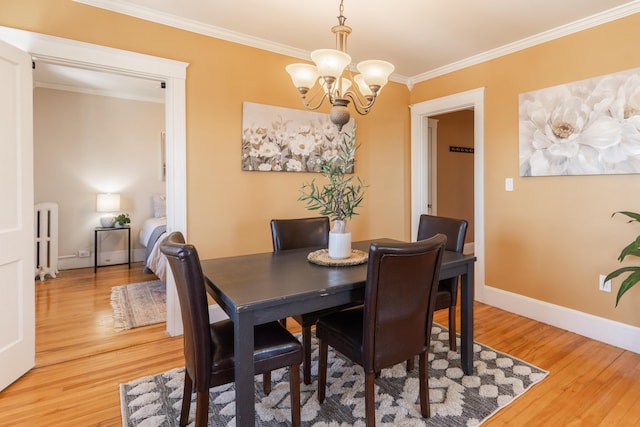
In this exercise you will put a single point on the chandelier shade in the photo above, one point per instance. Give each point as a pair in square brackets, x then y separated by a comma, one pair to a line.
[303, 75]
[330, 65]
[330, 62]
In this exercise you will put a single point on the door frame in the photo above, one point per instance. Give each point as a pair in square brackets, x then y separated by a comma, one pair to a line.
[95, 57]
[420, 160]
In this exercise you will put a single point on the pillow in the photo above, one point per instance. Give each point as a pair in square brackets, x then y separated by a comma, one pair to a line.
[159, 205]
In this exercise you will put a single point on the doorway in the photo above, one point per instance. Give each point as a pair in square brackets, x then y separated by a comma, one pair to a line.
[420, 158]
[93, 57]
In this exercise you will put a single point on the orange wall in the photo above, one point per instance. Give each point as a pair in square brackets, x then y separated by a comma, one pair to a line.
[549, 239]
[552, 237]
[455, 169]
[228, 209]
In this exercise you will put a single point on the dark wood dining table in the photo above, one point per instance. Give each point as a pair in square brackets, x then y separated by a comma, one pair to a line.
[264, 287]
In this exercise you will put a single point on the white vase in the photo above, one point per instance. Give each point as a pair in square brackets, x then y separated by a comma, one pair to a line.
[339, 241]
[106, 221]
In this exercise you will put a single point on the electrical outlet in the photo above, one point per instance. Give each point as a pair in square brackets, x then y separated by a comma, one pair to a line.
[84, 254]
[604, 286]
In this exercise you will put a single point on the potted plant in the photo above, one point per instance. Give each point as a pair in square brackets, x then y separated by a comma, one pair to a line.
[121, 220]
[339, 197]
[633, 249]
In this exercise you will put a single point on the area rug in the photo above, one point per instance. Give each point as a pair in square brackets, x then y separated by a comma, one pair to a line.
[139, 304]
[456, 399]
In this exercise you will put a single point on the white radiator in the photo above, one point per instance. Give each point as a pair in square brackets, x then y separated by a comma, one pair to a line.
[46, 232]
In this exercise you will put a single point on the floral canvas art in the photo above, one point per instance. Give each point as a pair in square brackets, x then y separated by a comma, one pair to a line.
[288, 140]
[590, 127]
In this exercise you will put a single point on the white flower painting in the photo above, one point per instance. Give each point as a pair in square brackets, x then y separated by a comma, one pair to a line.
[590, 127]
[287, 140]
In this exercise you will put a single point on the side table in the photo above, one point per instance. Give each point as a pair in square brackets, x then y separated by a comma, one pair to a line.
[95, 243]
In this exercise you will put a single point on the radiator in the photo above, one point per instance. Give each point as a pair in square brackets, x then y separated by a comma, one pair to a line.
[46, 247]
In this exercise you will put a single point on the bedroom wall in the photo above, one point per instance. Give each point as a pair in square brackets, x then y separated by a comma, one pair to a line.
[86, 144]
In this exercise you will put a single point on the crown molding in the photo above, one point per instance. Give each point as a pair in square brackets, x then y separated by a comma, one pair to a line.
[556, 33]
[209, 30]
[100, 92]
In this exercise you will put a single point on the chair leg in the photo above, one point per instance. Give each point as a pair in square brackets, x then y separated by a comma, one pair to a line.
[322, 371]
[423, 379]
[266, 382]
[410, 364]
[294, 391]
[452, 329]
[186, 400]
[370, 399]
[202, 408]
[306, 354]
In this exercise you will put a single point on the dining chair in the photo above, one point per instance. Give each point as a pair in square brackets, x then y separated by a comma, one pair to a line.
[295, 234]
[455, 230]
[394, 324]
[209, 348]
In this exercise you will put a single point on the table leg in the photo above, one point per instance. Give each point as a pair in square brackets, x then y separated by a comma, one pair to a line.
[466, 320]
[244, 373]
[95, 251]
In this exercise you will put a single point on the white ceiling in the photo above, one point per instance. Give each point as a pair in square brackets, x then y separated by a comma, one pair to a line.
[422, 38]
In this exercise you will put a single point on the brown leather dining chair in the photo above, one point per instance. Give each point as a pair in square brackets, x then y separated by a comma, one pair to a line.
[209, 348]
[394, 324]
[295, 234]
[455, 230]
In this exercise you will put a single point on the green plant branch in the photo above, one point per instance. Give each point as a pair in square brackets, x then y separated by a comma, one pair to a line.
[343, 194]
[632, 249]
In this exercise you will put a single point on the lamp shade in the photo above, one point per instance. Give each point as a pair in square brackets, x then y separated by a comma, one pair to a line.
[108, 202]
[330, 62]
[362, 85]
[303, 75]
[374, 72]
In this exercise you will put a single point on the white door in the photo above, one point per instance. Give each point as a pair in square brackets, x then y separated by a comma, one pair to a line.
[17, 299]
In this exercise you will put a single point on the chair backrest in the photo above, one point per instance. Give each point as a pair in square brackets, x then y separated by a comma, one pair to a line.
[187, 272]
[299, 233]
[454, 229]
[400, 296]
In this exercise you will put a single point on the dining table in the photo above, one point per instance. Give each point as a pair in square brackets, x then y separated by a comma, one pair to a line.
[264, 287]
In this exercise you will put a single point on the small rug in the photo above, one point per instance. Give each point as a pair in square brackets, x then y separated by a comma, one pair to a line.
[139, 304]
[456, 399]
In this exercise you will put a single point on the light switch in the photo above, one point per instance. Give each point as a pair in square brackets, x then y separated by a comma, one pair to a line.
[508, 184]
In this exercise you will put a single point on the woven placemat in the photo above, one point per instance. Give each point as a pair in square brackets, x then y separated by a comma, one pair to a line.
[321, 257]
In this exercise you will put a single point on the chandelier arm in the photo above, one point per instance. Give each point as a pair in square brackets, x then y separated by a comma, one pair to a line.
[361, 107]
[307, 104]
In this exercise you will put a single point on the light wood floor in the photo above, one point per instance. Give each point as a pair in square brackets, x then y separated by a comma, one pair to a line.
[80, 361]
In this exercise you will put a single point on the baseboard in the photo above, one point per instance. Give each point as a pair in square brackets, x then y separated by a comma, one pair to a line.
[70, 262]
[598, 328]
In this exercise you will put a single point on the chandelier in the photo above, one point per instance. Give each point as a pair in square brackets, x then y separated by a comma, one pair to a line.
[340, 91]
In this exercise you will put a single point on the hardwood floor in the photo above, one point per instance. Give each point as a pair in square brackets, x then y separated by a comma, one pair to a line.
[81, 360]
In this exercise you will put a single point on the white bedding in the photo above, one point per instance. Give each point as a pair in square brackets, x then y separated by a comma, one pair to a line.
[148, 227]
[157, 262]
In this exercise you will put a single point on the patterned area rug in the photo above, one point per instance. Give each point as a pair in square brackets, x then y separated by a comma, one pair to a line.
[139, 304]
[456, 399]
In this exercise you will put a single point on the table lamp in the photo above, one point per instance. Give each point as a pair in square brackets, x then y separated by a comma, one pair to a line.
[107, 203]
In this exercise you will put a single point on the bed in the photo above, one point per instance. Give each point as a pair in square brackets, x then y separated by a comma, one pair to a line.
[152, 234]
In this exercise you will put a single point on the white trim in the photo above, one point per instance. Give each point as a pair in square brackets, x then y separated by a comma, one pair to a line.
[85, 55]
[419, 121]
[590, 326]
[193, 26]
